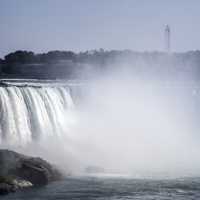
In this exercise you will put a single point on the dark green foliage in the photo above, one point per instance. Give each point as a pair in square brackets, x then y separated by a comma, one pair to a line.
[21, 57]
[67, 64]
[55, 56]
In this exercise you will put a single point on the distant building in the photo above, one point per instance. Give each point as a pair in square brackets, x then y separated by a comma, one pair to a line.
[167, 35]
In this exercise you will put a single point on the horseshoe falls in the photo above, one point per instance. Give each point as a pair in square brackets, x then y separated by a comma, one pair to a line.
[82, 126]
[30, 113]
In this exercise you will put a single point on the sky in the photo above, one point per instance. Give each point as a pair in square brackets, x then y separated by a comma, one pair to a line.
[80, 25]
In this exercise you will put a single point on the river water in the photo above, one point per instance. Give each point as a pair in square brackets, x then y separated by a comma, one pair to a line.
[109, 188]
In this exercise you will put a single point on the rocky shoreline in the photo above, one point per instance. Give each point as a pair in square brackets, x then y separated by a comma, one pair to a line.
[19, 171]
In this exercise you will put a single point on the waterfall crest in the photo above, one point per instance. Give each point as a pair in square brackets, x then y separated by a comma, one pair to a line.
[29, 113]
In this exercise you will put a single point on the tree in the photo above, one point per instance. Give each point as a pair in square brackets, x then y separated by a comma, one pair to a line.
[55, 56]
[20, 57]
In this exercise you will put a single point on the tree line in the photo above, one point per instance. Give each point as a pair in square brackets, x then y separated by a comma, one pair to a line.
[173, 65]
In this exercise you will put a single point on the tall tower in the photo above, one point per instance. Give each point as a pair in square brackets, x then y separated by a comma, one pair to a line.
[167, 38]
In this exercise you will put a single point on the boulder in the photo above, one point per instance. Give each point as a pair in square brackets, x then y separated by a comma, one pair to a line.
[32, 170]
[6, 188]
[10, 184]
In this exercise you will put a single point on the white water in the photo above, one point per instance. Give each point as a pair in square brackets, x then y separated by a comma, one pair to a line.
[122, 128]
[31, 113]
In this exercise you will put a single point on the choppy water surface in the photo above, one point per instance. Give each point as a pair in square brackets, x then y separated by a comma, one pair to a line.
[88, 188]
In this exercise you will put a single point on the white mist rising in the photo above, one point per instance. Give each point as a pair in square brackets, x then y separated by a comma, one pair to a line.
[138, 128]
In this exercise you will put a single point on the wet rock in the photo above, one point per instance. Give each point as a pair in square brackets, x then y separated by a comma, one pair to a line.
[22, 183]
[6, 188]
[29, 170]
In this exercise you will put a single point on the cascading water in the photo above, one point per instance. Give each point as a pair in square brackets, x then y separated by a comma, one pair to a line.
[28, 113]
[113, 121]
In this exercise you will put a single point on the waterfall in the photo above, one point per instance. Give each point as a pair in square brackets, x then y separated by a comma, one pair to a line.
[29, 113]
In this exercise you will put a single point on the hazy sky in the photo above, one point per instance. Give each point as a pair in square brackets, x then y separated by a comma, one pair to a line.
[42, 25]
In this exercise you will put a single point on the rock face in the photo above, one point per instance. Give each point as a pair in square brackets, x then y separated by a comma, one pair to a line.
[6, 188]
[9, 184]
[24, 170]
